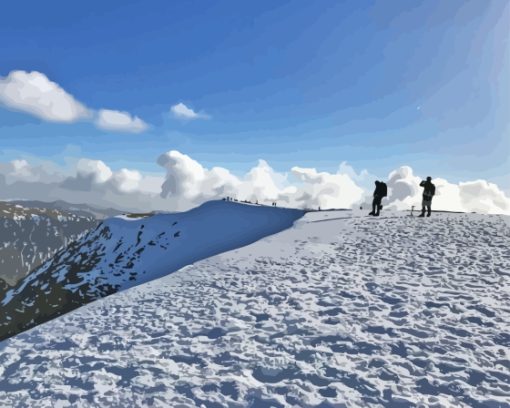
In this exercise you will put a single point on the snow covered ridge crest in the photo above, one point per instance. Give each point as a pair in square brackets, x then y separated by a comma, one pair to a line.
[123, 252]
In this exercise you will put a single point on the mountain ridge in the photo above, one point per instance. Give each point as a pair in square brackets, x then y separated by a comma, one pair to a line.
[30, 235]
[125, 251]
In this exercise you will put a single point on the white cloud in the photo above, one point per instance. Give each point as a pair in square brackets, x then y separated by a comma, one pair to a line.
[362, 177]
[326, 190]
[261, 183]
[96, 169]
[188, 183]
[127, 180]
[34, 93]
[403, 188]
[484, 197]
[86, 181]
[119, 121]
[23, 171]
[181, 111]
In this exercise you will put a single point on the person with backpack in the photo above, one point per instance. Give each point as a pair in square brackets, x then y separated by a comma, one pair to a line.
[429, 190]
[381, 191]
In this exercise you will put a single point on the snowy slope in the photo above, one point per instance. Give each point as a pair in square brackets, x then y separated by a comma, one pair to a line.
[128, 250]
[339, 310]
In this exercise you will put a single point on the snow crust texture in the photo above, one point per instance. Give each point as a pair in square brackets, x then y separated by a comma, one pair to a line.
[340, 310]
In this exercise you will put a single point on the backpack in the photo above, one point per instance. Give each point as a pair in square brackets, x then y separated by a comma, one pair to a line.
[384, 189]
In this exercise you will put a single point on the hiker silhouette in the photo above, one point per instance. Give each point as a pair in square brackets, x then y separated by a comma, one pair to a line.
[381, 191]
[429, 190]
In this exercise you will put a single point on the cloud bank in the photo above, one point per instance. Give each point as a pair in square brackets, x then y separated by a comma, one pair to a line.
[181, 111]
[472, 196]
[185, 183]
[33, 93]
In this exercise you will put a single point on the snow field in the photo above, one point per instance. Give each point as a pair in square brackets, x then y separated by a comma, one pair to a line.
[340, 310]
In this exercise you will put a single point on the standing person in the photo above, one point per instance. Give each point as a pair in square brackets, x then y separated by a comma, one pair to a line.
[429, 190]
[376, 201]
[381, 190]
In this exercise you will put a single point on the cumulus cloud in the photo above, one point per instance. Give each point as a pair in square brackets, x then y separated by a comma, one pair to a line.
[325, 189]
[33, 93]
[188, 183]
[119, 121]
[181, 111]
[127, 181]
[86, 181]
[22, 171]
[483, 197]
[361, 178]
[88, 174]
[403, 188]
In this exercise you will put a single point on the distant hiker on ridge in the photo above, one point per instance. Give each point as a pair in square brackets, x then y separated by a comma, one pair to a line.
[381, 191]
[429, 190]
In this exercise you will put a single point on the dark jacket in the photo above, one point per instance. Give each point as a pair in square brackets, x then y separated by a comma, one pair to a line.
[381, 190]
[429, 189]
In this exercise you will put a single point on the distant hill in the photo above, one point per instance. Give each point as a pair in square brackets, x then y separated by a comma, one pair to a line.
[83, 210]
[31, 234]
[131, 249]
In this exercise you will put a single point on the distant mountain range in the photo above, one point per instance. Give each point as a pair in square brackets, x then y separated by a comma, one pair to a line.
[32, 232]
[127, 250]
[83, 210]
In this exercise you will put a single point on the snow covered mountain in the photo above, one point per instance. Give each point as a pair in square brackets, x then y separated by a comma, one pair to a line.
[83, 210]
[129, 250]
[341, 310]
[31, 233]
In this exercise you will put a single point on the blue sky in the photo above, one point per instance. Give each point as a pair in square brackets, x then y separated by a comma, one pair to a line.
[376, 84]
